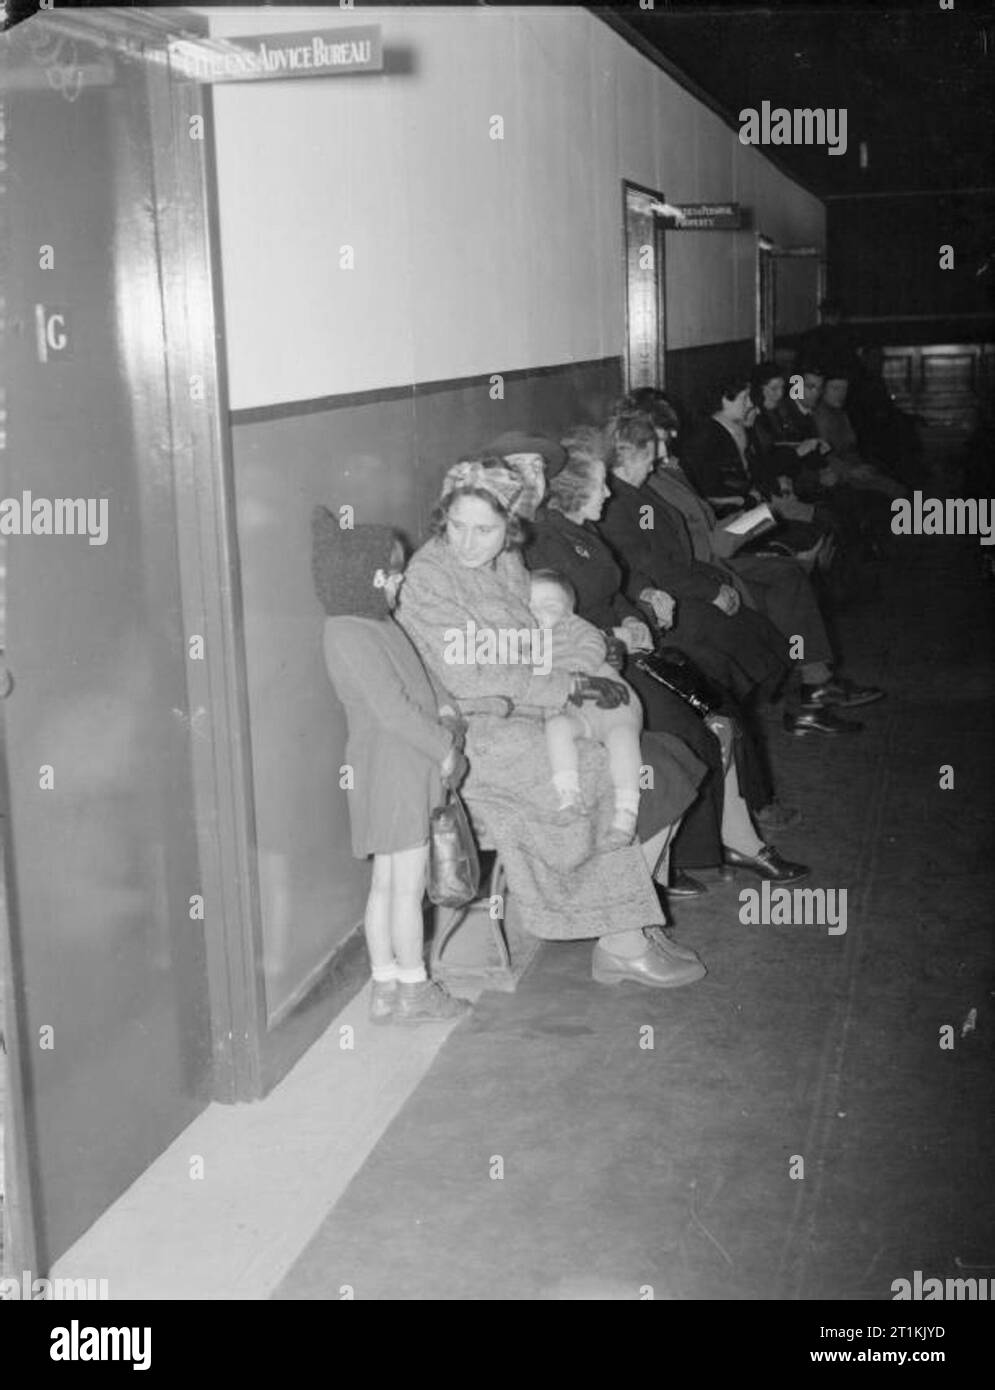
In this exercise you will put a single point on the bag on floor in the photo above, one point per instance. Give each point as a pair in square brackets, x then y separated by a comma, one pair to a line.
[454, 865]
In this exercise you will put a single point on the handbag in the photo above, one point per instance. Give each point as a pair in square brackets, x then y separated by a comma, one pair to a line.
[454, 865]
[678, 674]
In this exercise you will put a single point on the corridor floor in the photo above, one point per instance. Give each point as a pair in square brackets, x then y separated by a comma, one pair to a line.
[789, 1128]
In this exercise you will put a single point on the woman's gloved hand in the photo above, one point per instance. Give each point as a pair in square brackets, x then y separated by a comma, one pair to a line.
[605, 693]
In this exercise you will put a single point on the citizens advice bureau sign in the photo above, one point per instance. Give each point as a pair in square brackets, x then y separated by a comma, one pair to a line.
[304, 53]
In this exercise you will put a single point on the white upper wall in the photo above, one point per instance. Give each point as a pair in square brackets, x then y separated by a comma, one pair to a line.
[472, 255]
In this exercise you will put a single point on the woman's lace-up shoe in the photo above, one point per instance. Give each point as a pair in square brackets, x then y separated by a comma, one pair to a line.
[767, 863]
[658, 966]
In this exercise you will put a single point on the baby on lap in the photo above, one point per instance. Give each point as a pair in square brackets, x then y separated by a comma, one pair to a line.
[579, 646]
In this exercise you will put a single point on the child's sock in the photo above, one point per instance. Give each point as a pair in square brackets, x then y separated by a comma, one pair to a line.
[567, 787]
[415, 976]
[385, 974]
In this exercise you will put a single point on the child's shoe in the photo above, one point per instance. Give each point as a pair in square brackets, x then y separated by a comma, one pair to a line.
[383, 997]
[427, 1002]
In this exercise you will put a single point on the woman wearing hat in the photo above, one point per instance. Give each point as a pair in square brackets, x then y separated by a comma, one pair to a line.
[470, 578]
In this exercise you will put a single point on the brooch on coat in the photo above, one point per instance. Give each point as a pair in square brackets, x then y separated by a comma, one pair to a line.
[579, 549]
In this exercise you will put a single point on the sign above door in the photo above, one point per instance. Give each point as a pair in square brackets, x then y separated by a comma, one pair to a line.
[701, 217]
[303, 53]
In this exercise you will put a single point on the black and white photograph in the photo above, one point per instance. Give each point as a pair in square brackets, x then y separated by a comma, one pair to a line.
[497, 691]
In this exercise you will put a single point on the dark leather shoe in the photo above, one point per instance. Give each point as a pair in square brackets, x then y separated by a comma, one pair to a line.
[767, 864]
[840, 692]
[655, 967]
[682, 885]
[819, 721]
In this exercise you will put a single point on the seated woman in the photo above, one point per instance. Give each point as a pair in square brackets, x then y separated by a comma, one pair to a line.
[718, 828]
[720, 462]
[786, 457]
[468, 580]
[659, 557]
[845, 459]
[711, 542]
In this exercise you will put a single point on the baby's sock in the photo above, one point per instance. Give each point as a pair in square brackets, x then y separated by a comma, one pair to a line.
[567, 787]
[416, 975]
[385, 974]
[626, 810]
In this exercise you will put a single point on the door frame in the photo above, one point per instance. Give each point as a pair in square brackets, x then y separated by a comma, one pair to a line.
[250, 1050]
[23, 1232]
[254, 1047]
[190, 428]
[765, 299]
[658, 233]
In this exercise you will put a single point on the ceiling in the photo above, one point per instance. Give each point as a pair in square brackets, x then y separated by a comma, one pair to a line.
[916, 83]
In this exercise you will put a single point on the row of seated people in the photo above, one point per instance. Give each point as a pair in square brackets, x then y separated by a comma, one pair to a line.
[885, 434]
[667, 630]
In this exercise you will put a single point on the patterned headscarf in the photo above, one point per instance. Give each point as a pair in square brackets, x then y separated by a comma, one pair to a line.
[491, 475]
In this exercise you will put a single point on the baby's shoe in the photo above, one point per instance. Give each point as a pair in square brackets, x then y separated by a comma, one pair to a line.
[427, 1002]
[621, 832]
[569, 811]
[383, 997]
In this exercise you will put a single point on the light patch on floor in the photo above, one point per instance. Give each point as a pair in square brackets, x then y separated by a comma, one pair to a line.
[272, 1171]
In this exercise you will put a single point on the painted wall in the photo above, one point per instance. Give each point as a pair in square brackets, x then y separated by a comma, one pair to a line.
[472, 256]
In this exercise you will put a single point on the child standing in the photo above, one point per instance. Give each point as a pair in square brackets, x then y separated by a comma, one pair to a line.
[399, 752]
[579, 646]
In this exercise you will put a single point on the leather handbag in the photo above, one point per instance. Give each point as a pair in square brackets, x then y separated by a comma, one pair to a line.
[454, 865]
[678, 674]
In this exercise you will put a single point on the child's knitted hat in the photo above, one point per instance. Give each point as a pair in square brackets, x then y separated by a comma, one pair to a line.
[343, 563]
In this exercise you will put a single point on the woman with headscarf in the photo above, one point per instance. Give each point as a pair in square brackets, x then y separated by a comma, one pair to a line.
[468, 580]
